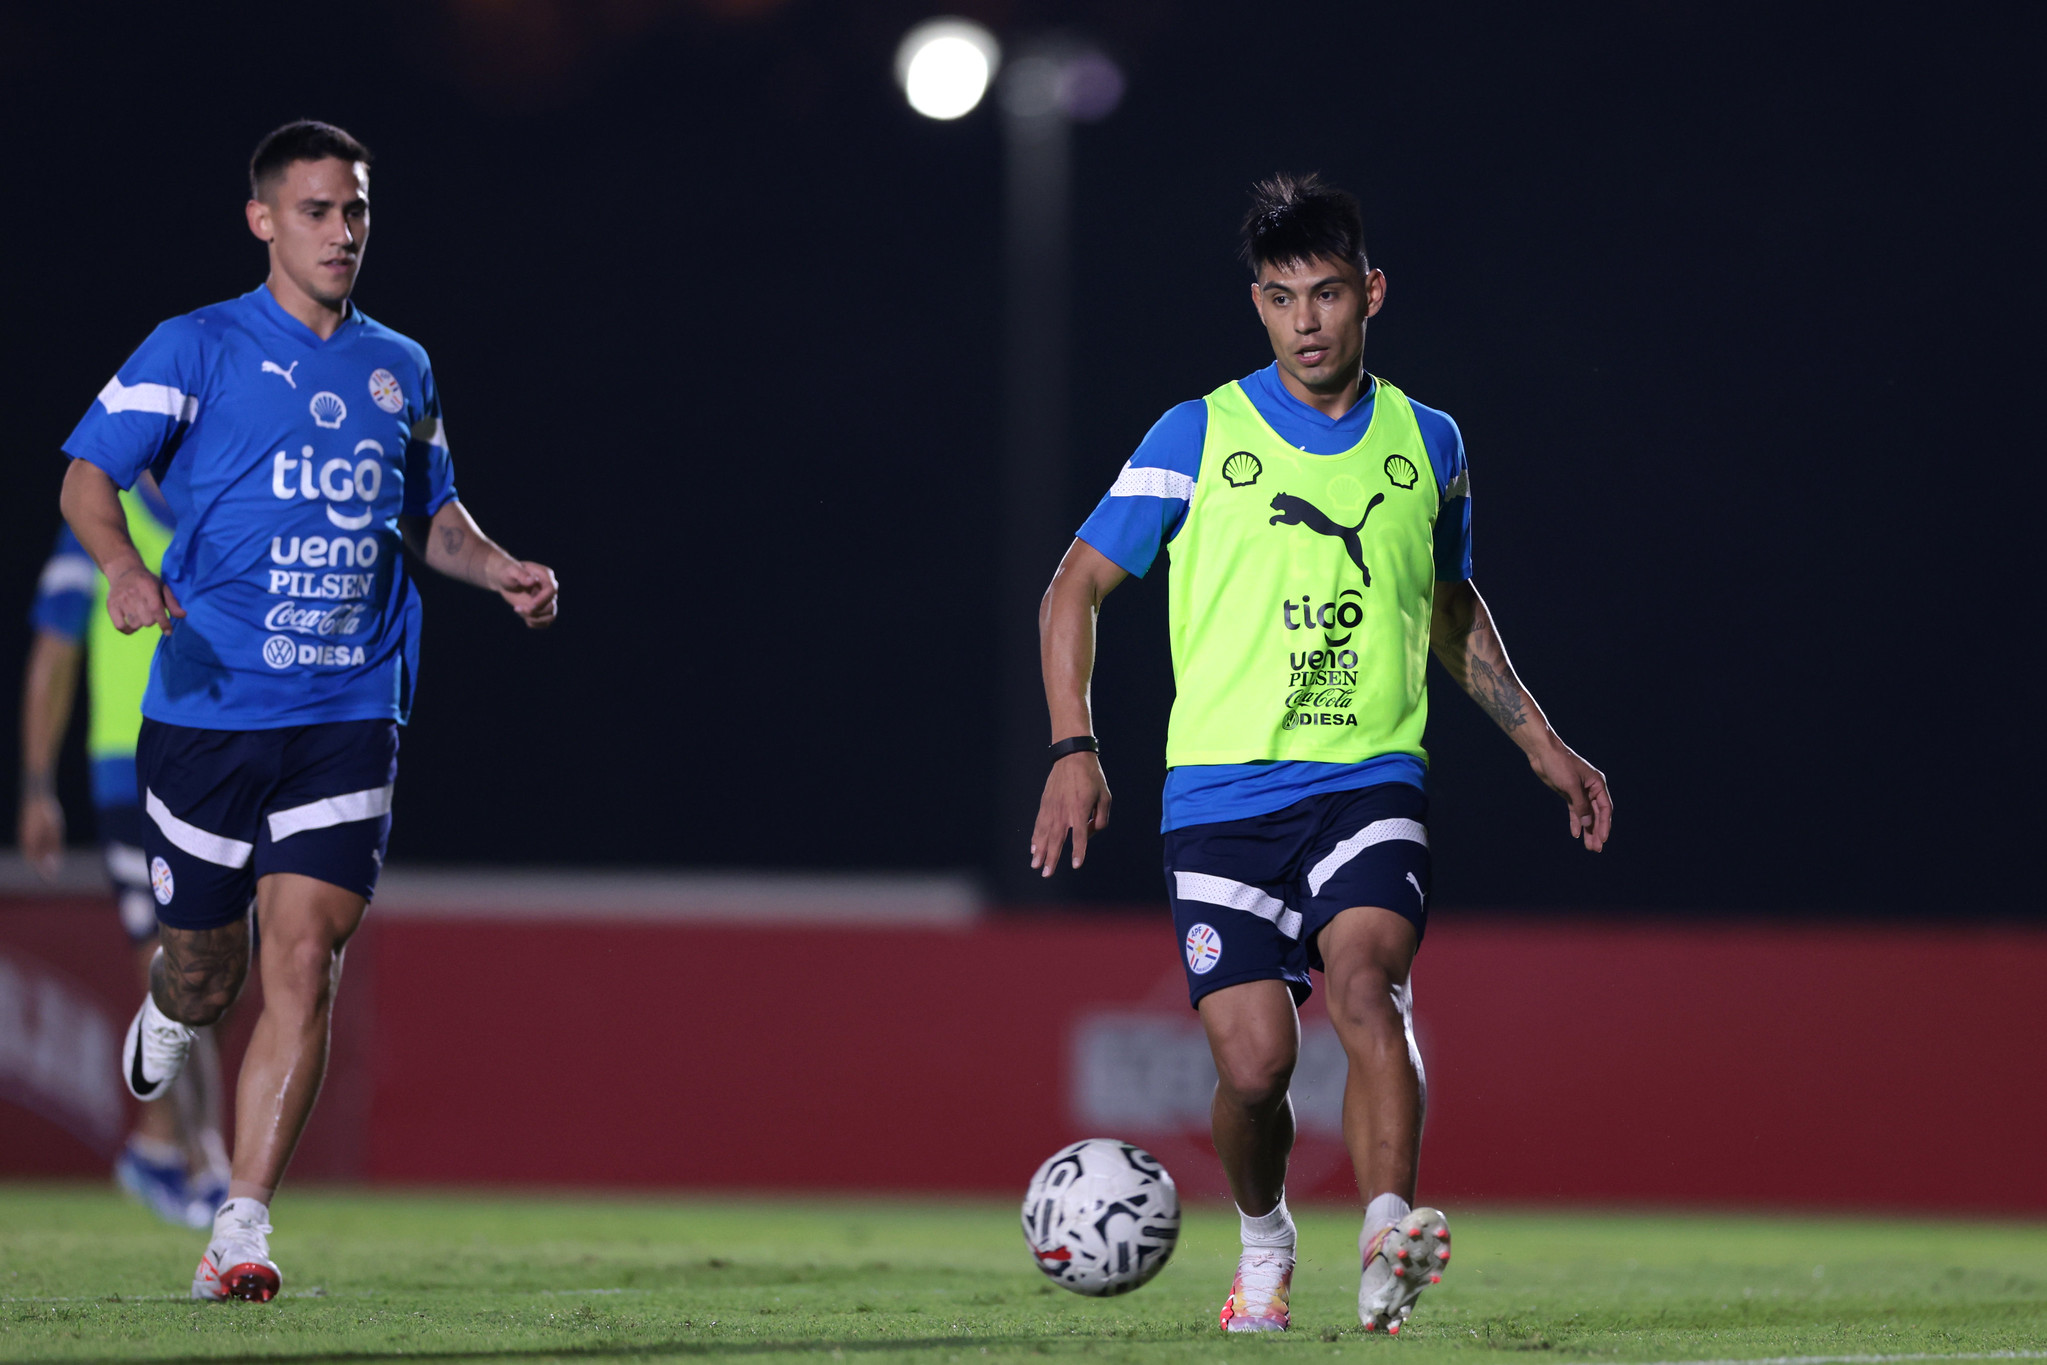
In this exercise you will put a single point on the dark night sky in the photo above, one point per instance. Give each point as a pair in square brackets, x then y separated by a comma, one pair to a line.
[1732, 315]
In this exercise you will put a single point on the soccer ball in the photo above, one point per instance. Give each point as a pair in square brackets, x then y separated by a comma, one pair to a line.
[1101, 1217]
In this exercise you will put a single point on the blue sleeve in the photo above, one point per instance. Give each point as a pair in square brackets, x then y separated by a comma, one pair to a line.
[144, 410]
[64, 591]
[429, 472]
[1143, 509]
[1445, 444]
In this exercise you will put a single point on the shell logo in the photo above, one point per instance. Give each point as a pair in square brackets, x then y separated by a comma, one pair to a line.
[1242, 469]
[329, 412]
[1400, 471]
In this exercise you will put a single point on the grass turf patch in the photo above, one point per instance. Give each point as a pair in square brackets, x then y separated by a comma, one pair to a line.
[85, 1275]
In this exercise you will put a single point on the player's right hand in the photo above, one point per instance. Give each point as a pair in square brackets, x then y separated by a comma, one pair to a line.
[1076, 801]
[39, 833]
[137, 598]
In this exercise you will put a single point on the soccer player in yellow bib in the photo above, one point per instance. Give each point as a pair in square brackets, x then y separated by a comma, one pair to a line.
[1318, 522]
[174, 1162]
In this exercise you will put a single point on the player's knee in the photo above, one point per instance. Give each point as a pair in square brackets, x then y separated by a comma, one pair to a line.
[303, 974]
[201, 998]
[196, 987]
[1365, 1002]
[1254, 1078]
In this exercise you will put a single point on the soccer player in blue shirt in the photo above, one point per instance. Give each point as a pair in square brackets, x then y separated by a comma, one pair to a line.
[296, 441]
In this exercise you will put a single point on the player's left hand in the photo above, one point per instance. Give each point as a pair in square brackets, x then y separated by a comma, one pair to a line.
[1583, 788]
[529, 589]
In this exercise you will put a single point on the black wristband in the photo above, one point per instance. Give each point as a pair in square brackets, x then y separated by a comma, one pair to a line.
[1079, 744]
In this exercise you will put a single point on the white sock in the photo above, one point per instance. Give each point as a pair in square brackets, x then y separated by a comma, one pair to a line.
[153, 1017]
[243, 1210]
[1387, 1208]
[1273, 1230]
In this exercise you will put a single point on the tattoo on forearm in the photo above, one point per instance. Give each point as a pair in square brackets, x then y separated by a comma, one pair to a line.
[1497, 693]
[452, 538]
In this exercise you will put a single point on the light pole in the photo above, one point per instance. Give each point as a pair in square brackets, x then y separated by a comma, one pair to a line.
[1053, 82]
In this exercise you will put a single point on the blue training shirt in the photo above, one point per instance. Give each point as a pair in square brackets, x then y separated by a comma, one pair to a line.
[1144, 509]
[286, 462]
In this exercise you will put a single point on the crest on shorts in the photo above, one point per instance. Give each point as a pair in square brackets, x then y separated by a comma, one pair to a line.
[1204, 949]
[161, 882]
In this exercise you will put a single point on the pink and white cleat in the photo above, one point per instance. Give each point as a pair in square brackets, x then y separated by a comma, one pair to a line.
[237, 1262]
[1400, 1261]
[1257, 1301]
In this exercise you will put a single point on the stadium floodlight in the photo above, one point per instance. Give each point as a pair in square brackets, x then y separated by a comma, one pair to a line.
[945, 66]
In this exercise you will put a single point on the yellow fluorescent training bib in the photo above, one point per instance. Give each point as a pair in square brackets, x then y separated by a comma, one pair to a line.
[117, 665]
[1301, 592]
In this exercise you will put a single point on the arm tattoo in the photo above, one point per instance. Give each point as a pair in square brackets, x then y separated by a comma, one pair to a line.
[1497, 693]
[452, 538]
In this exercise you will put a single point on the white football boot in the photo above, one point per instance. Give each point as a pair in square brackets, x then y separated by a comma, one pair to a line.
[237, 1262]
[1257, 1301]
[1400, 1261]
[154, 1052]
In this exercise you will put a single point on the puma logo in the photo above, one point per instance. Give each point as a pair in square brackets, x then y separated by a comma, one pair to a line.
[1295, 511]
[272, 367]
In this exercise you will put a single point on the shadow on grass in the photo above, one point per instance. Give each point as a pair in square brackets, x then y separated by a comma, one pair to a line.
[638, 1351]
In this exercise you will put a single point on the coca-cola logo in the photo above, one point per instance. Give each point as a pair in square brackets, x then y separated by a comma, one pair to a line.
[345, 619]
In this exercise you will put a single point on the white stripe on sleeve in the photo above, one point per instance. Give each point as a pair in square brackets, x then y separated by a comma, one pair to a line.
[1459, 487]
[160, 399]
[332, 810]
[67, 573]
[1152, 483]
[1200, 886]
[432, 431]
[213, 848]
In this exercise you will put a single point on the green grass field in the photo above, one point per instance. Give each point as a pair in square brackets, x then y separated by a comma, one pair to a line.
[85, 1275]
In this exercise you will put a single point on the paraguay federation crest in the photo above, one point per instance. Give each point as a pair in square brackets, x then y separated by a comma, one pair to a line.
[161, 883]
[1204, 949]
[384, 391]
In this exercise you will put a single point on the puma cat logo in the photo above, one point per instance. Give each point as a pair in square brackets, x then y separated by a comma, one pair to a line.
[1295, 511]
[272, 367]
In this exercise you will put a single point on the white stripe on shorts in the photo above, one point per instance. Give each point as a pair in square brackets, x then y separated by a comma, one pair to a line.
[1378, 832]
[194, 840]
[127, 865]
[331, 810]
[1200, 886]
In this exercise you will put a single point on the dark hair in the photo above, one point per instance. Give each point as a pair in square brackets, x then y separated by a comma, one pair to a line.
[305, 140]
[1296, 218]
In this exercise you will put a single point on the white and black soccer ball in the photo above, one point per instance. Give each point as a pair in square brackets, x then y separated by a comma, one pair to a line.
[1101, 1217]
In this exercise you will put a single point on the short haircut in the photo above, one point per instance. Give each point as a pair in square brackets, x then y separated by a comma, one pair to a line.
[1296, 218]
[305, 140]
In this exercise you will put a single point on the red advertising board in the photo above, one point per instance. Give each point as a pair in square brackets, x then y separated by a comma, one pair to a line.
[1841, 1066]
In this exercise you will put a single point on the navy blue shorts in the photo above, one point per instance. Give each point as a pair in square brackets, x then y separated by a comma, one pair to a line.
[1249, 896]
[227, 807]
[121, 831]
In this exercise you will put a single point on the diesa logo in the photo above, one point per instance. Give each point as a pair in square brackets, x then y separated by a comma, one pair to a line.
[337, 480]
